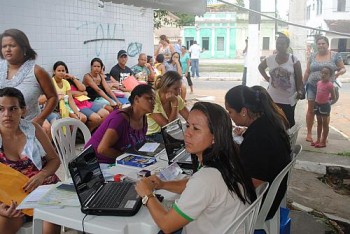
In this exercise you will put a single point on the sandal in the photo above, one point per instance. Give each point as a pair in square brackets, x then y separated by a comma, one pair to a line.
[320, 145]
[314, 143]
[308, 139]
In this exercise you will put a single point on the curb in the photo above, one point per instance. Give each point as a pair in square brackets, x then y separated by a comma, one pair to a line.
[319, 168]
[308, 210]
[220, 78]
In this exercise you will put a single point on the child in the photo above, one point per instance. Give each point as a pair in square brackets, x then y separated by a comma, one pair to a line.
[323, 107]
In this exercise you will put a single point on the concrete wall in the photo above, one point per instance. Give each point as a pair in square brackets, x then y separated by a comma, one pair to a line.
[75, 31]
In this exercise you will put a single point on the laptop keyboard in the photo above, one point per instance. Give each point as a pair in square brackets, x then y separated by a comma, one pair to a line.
[111, 195]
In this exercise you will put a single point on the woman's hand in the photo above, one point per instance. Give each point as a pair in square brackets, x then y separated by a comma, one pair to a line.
[10, 211]
[238, 131]
[144, 187]
[34, 182]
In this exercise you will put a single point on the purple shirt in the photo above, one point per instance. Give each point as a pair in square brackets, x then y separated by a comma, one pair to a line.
[127, 135]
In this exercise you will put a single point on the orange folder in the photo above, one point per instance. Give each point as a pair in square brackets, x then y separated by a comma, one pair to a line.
[11, 186]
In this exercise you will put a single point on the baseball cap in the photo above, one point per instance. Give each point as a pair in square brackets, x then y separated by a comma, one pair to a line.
[122, 52]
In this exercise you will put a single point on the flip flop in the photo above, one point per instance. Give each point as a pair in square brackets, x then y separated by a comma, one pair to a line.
[320, 145]
[308, 139]
[314, 143]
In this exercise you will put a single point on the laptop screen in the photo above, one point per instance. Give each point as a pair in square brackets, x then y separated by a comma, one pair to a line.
[86, 174]
[173, 137]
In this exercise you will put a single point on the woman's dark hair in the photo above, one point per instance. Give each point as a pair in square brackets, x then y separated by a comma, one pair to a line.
[160, 58]
[184, 47]
[257, 104]
[149, 57]
[322, 38]
[97, 60]
[13, 92]
[139, 91]
[171, 58]
[164, 38]
[167, 80]
[223, 154]
[276, 108]
[22, 40]
[60, 63]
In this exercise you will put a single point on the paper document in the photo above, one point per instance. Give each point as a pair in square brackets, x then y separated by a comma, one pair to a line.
[31, 201]
[149, 147]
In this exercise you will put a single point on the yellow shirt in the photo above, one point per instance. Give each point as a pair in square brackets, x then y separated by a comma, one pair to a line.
[153, 127]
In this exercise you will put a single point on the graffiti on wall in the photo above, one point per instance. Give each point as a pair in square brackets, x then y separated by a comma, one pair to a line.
[134, 48]
[101, 36]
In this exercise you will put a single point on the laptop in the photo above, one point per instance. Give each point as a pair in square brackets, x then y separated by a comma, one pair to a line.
[173, 136]
[96, 196]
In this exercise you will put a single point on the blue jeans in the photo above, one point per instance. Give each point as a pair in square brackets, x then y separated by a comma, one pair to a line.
[195, 67]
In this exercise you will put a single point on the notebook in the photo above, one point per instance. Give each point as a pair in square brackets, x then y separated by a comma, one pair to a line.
[97, 196]
[174, 143]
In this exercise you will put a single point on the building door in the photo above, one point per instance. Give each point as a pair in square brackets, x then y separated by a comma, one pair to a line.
[189, 41]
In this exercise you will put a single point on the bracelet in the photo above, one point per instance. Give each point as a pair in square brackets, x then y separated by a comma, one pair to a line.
[174, 106]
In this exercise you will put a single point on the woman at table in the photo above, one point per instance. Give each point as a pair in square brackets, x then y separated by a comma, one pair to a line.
[322, 58]
[265, 149]
[124, 128]
[18, 69]
[174, 64]
[97, 88]
[25, 148]
[168, 105]
[218, 192]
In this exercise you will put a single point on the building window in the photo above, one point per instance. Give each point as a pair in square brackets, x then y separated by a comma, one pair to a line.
[308, 12]
[319, 7]
[341, 5]
[220, 44]
[266, 43]
[205, 43]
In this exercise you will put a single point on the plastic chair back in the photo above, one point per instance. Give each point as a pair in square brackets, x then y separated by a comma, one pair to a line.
[64, 133]
[246, 220]
[272, 225]
[293, 134]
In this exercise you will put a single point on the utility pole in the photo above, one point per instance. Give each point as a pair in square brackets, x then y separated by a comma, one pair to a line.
[253, 53]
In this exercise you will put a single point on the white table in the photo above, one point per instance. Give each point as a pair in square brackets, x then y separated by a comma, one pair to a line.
[72, 217]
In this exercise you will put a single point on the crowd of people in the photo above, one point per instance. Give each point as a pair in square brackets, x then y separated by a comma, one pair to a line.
[31, 100]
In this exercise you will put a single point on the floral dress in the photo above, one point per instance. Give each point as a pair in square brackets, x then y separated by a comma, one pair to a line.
[32, 160]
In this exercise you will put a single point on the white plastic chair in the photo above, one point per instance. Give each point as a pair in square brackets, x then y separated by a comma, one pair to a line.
[293, 134]
[247, 219]
[26, 228]
[64, 132]
[272, 226]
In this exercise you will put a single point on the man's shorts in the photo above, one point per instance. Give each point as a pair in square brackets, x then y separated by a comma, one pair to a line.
[322, 109]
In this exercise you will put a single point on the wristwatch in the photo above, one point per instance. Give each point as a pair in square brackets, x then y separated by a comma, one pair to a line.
[146, 198]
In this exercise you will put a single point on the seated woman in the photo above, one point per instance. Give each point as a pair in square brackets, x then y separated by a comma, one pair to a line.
[218, 192]
[265, 149]
[94, 112]
[174, 64]
[97, 88]
[66, 105]
[168, 105]
[159, 68]
[124, 128]
[25, 148]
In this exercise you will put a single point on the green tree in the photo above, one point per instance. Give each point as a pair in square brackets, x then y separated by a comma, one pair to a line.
[160, 19]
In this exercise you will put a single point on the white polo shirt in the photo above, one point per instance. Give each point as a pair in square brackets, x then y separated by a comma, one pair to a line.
[195, 51]
[207, 203]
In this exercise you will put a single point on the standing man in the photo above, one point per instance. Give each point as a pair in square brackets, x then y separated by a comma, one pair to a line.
[245, 51]
[143, 70]
[120, 71]
[177, 46]
[195, 51]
